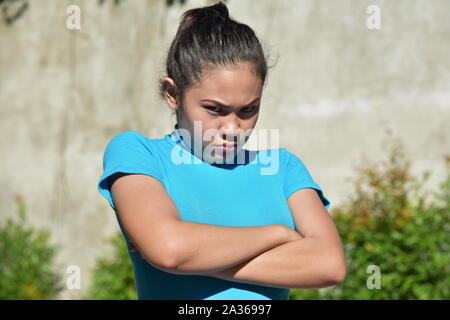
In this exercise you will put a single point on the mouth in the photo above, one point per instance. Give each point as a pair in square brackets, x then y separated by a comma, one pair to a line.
[226, 146]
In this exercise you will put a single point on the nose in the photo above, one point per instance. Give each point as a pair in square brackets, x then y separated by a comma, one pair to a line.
[230, 130]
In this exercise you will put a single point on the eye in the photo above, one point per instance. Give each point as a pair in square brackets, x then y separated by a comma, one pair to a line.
[214, 109]
[249, 109]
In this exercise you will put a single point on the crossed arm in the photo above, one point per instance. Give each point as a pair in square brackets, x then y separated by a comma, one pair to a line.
[315, 259]
[301, 264]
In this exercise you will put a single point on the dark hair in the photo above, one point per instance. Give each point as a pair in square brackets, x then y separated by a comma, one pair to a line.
[208, 38]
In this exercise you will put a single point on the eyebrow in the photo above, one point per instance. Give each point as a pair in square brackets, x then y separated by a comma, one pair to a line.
[225, 106]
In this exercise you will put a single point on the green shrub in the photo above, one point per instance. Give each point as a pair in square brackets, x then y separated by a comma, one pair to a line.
[113, 278]
[26, 260]
[393, 224]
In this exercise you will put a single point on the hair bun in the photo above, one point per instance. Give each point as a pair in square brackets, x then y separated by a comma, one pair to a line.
[219, 9]
[193, 16]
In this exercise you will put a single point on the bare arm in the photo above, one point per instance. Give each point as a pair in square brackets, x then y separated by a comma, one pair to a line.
[316, 260]
[205, 248]
[301, 264]
[153, 224]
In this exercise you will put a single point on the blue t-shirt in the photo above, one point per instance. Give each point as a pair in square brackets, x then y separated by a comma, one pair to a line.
[251, 193]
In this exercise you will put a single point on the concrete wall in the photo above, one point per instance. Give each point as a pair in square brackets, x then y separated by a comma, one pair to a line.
[335, 88]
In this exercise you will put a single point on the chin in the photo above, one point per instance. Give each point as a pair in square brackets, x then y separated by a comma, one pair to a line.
[224, 158]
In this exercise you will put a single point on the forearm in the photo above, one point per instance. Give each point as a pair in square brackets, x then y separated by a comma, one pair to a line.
[300, 264]
[205, 248]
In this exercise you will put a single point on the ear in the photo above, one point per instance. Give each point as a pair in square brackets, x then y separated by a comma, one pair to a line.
[169, 92]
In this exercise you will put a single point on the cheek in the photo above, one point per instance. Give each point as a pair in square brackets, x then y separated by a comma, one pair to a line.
[208, 138]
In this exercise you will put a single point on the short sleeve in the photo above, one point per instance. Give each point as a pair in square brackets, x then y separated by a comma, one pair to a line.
[297, 176]
[128, 152]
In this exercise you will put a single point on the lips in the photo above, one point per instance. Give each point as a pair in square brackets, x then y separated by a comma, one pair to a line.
[227, 146]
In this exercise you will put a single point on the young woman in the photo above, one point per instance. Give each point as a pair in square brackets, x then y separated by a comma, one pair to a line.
[204, 221]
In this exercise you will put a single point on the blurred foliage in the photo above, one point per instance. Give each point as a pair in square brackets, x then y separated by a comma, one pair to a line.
[113, 278]
[26, 260]
[12, 9]
[171, 2]
[116, 2]
[168, 3]
[182, 2]
[393, 224]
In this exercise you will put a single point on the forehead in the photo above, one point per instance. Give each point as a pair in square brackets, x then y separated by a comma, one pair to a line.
[229, 84]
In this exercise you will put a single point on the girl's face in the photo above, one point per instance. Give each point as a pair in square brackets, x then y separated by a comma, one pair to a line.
[222, 109]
